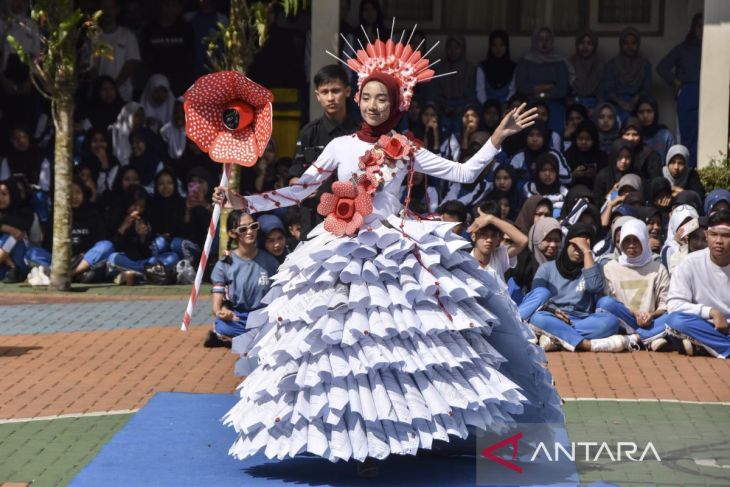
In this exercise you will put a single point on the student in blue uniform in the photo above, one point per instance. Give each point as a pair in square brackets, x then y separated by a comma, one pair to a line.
[240, 280]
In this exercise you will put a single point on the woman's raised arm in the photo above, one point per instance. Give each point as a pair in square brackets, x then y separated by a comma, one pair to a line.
[513, 122]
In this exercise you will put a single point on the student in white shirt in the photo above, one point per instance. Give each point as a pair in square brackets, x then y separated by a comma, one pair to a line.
[698, 300]
[124, 46]
[487, 233]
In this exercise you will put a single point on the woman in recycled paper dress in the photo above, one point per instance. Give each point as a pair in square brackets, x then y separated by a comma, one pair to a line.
[381, 334]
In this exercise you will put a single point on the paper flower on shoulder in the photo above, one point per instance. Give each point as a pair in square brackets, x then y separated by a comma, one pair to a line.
[229, 116]
[345, 208]
[396, 146]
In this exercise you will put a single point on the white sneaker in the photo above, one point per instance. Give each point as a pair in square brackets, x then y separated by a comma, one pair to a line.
[688, 346]
[658, 344]
[614, 343]
[547, 344]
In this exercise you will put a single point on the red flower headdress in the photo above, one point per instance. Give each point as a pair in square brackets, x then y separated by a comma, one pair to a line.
[396, 59]
[229, 116]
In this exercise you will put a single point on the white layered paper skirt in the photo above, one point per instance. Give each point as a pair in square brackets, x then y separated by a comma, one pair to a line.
[381, 344]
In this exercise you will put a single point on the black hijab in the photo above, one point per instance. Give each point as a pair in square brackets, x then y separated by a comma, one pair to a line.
[101, 115]
[498, 71]
[566, 267]
[546, 159]
[576, 192]
[167, 213]
[145, 163]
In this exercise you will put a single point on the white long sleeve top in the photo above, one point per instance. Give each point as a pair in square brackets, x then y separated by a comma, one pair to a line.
[698, 284]
[342, 155]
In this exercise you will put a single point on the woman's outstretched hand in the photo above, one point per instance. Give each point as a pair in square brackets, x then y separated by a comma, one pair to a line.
[229, 198]
[513, 122]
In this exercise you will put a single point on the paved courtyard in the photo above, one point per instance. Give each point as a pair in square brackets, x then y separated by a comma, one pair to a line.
[77, 366]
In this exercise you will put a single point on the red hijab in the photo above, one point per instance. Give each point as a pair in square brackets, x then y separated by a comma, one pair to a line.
[367, 132]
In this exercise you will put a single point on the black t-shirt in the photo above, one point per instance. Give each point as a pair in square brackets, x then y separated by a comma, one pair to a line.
[170, 51]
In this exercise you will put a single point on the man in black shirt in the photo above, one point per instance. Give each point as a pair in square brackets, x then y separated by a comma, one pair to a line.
[332, 91]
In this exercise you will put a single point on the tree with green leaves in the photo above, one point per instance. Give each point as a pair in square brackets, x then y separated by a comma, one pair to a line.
[55, 73]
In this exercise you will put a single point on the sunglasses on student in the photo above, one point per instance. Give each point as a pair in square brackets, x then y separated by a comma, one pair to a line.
[245, 228]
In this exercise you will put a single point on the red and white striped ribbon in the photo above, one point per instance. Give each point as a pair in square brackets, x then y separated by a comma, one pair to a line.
[204, 256]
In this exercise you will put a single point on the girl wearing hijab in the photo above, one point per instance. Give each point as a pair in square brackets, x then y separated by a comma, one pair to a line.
[133, 240]
[543, 245]
[678, 172]
[272, 237]
[104, 106]
[659, 196]
[459, 141]
[619, 164]
[505, 184]
[16, 219]
[130, 118]
[609, 249]
[495, 73]
[157, 101]
[24, 157]
[491, 115]
[535, 208]
[608, 126]
[546, 183]
[428, 130]
[145, 157]
[380, 107]
[555, 138]
[696, 239]
[588, 69]
[654, 222]
[456, 91]
[627, 76]
[536, 144]
[676, 237]
[372, 19]
[646, 162]
[574, 115]
[654, 134]
[578, 195]
[543, 74]
[636, 287]
[173, 132]
[97, 155]
[584, 157]
[680, 69]
[563, 297]
[89, 248]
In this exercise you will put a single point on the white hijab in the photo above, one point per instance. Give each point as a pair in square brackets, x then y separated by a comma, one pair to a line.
[162, 112]
[679, 215]
[638, 229]
[120, 132]
[174, 137]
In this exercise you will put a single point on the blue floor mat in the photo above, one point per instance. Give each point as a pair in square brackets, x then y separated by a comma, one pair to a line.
[177, 439]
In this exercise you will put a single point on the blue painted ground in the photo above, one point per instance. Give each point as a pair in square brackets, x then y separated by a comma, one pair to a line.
[178, 440]
[95, 316]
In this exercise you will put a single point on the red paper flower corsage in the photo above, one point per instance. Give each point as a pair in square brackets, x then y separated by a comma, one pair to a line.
[396, 147]
[346, 209]
[229, 116]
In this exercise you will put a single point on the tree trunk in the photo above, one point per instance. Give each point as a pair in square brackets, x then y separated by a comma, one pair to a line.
[63, 108]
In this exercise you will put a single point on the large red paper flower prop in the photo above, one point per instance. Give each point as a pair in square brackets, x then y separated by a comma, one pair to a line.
[346, 209]
[229, 116]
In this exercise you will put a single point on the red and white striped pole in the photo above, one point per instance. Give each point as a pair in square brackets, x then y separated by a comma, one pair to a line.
[212, 228]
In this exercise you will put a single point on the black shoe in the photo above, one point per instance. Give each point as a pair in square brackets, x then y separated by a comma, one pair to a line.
[214, 341]
[13, 276]
[87, 277]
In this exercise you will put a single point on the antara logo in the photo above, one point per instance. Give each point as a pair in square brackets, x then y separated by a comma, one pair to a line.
[593, 452]
[512, 440]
